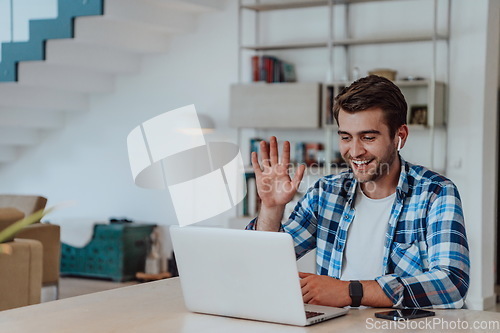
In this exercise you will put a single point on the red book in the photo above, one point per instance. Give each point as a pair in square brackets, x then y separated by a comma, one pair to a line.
[255, 68]
[268, 66]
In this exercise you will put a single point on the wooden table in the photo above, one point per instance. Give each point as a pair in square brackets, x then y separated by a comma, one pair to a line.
[159, 307]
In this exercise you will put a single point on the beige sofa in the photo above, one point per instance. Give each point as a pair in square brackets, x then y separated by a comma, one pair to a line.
[20, 266]
[47, 234]
[20, 274]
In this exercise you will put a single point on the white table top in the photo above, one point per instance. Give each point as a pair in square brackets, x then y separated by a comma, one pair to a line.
[158, 307]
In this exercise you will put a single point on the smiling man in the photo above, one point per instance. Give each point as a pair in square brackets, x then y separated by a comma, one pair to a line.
[387, 232]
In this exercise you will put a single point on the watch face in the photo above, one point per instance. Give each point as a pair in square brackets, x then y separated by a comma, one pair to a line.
[356, 293]
[356, 289]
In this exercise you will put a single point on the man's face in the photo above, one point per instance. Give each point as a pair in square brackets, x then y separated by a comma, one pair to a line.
[366, 145]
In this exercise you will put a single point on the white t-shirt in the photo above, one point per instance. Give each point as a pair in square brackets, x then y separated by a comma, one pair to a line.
[364, 252]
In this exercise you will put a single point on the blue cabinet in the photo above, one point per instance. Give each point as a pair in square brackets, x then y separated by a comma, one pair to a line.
[116, 251]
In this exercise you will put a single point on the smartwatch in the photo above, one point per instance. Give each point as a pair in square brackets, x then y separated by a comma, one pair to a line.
[356, 293]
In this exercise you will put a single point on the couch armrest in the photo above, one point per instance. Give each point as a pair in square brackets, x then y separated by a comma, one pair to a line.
[50, 237]
[21, 274]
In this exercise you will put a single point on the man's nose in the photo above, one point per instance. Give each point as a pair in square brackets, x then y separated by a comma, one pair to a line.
[357, 148]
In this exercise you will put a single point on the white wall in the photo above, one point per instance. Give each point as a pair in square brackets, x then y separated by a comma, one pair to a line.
[472, 143]
[87, 160]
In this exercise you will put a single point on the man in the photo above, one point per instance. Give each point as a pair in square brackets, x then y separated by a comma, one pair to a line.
[388, 233]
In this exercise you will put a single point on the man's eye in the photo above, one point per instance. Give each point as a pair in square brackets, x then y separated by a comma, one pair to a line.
[369, 138]
[344, 138]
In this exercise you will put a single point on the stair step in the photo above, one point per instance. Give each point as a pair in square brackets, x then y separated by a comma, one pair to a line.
[16, 95]
[14, 52]
[127, 36]
[151, 15]
[28, 118]
[41, 30]
[91, 56]
[8, 154]
[71, 8]
[44, 74]
[19, 136]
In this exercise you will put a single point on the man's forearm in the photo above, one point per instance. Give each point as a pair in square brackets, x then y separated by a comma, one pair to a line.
[326, 290]
[374, 296]
[269, 219]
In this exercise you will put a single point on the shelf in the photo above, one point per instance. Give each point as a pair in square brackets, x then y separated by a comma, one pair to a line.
[275, 105]
[301, 4]
[285, 46]
[388, 40]
[280, 6]
[345, 42]
[412, 83]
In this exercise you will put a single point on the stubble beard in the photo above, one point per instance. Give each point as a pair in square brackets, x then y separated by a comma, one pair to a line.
[382, 168]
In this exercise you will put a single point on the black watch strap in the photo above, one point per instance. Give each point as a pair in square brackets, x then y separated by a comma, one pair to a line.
[356, 292]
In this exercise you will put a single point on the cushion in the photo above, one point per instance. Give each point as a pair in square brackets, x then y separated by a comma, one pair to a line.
[8, 216]
[28, 204]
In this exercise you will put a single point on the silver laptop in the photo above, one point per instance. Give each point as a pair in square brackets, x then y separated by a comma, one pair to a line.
[243, 274]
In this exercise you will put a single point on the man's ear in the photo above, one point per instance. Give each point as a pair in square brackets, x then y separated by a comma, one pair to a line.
[402, 135]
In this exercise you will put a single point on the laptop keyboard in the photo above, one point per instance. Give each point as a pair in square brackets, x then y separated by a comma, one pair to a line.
[312, 314]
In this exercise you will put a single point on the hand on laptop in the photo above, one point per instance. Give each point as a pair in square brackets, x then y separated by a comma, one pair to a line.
[324, 290]
[274, 185]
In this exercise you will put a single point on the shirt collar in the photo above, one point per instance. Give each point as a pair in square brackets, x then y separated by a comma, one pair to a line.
[402, 189]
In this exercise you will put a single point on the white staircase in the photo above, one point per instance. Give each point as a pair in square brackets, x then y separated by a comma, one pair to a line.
[104, 47]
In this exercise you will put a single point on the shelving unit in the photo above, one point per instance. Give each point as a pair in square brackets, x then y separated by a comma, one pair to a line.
[345, 42]
[283, 105]
[417, 94]
[252, 104]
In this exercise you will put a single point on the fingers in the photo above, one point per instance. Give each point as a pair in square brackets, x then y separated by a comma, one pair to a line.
[264, 151]
[273, 147]
[307, 297]
[270, 153]
[304, 275]
[285, 155]
[297, 178]
[255, 164]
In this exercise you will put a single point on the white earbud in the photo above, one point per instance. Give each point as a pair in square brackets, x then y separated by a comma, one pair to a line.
[399, 143]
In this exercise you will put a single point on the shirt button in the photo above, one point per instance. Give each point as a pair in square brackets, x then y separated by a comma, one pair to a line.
[346, 217]
[339, 246]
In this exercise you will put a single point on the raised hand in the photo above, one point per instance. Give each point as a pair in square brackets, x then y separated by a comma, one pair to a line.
[274, 185]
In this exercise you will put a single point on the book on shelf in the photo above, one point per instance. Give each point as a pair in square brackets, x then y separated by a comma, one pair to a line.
[251, 202]
[254, 147]
[329, 105]
[309, 153]
[313, 152]
[288, 72]
[255, 68]
[271, 69]
[299, 153]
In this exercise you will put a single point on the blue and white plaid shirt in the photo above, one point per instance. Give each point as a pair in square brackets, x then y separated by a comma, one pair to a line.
[426, 260]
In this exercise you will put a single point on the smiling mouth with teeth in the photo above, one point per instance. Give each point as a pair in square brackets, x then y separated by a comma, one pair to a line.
[359, 163]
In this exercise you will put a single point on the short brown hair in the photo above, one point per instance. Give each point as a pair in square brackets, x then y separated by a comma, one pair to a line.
[373, 92]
